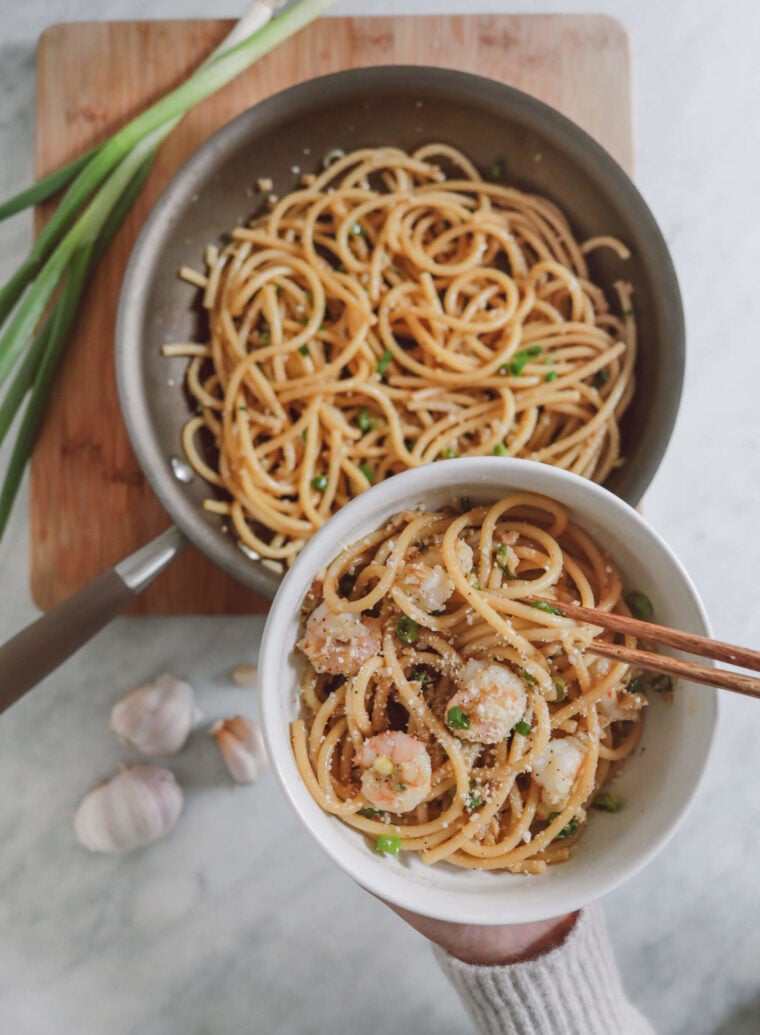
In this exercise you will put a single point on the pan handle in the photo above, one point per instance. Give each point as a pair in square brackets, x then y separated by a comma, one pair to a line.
[42, 646]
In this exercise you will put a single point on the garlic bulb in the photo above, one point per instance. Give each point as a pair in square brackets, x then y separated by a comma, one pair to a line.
[242, 747]
[155, 718]
[138, 805]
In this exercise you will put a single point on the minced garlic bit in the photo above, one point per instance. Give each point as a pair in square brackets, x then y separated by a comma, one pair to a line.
[265, 184]
[383, 765]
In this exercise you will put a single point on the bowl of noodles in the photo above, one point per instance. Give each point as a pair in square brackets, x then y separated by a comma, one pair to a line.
[450, 739]
[382, 269]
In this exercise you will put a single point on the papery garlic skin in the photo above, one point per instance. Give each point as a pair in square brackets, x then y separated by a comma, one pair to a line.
[156, 718]
[137, 806]
[242, 747]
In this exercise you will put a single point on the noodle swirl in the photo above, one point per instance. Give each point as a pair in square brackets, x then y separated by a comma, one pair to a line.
[441, 712]
[395, 310]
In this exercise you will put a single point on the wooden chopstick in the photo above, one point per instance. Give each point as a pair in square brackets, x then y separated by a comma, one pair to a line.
[691, 642]
[735, 681]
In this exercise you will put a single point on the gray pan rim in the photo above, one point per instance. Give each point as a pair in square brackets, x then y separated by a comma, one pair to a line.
[315, 94]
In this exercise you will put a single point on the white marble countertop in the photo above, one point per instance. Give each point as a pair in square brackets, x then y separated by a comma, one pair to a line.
[237, 923]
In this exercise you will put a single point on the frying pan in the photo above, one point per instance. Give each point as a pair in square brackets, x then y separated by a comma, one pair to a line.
[281, 138]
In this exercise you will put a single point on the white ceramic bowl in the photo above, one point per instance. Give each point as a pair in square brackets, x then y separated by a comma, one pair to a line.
[657, 782]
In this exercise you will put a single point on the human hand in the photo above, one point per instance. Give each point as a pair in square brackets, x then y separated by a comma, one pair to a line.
[492, 945]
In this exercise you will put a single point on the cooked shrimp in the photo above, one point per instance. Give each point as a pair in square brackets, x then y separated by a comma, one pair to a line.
[462, 551]
[556, 770]
[620, 706]
[617, 704]
[340, 643]
[428, 588]
[493, 698]
[397, 771]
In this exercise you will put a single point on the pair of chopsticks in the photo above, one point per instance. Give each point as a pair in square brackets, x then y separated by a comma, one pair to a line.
[690, 642]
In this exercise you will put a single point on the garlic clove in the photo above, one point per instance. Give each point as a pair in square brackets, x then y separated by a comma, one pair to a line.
[245, 675]
[156, 718]
[137, 806]
[242, 746]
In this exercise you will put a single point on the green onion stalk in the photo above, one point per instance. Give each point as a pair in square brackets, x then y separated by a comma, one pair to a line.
[40, 301]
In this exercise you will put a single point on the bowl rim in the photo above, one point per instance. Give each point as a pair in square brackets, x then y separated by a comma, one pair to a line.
[134, 393]
[383, 881]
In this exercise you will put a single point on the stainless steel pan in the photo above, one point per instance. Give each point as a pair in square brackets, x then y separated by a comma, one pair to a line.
[280, 138]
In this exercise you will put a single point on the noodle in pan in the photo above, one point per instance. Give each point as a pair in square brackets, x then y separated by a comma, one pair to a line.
[395, 310]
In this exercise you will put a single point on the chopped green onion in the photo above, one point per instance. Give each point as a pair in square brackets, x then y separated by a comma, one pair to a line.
[384, 363]
[304, 350]
[502, 558]
[243, 409]
[522, 727]
[407, 629]
[388, 844]
[628, 314]
[457, 719]
[551, 375]
[265, 337]
[366, 470]
[542, 605]
[640, 605]
[474, 801]
[421, 676]
[497, 170]
[358, 230]
[500, 450]
[662, 684]
[333, 156]
[472, 578]
[568, 830]
[449, 453]
[319, 482]
[561, 688]
[601, 377]
[304, 433]
[635, 686]
[519, 360]
[525, 675]
[608, 802]
[364, 421]
[369, 813]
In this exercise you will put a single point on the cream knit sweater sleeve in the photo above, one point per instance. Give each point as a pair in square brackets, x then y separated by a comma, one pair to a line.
[574, 989]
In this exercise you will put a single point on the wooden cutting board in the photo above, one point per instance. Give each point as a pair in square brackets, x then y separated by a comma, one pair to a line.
[90, 504]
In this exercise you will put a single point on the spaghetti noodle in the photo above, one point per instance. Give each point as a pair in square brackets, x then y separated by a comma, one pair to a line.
[396, 310]
[444, 714]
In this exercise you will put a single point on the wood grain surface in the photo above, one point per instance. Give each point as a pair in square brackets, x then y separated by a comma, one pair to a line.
[90, 504]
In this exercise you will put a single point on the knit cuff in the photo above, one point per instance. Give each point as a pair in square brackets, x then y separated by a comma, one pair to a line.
[574, 989]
